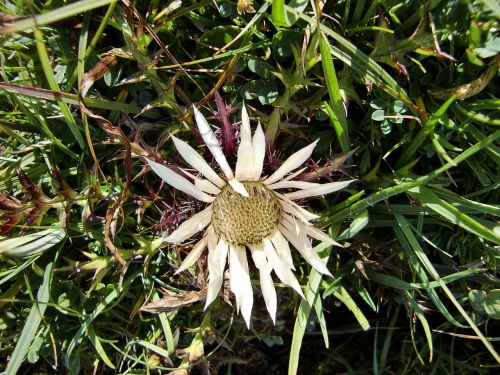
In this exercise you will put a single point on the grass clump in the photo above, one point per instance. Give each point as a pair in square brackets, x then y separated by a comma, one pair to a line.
[402, 95]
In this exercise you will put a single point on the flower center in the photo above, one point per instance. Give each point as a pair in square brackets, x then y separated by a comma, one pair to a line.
[245, 220]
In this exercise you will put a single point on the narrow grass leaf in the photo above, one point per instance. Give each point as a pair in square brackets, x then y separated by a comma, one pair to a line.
[346, 299]
[278, 13]
[337, 110]
[311, 293]
[53, 15]
[397, 283]
[98, 347]
[359, 222]
[386, 193]
[31, 244]
[425, 324]
[49, 75]
[422, 275]
[405, 228]
[423, 134]
[452, 214]
[318, 308]
[153, 348]
[32, 323]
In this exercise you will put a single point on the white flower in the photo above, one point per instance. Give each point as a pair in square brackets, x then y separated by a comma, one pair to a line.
[246, 212]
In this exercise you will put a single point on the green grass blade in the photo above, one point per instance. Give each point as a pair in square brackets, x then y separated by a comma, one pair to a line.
[32, 323]
[405, 228]
[98, 347]
[419, 271]
[49, 75]
[386, 193]
[359, 222]
[347, 300]
[152, 347]
[397, 283]
[311, 293]
[31, 244]
[53, 15]
[452, 214]
[318, 309]
[425, 324]
[278, 12]
[93, 42]
[426, 130]
[336, 111]
[73, 99]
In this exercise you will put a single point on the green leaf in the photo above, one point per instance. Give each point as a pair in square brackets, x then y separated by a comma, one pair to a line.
[262, 69]
[98, 347]
[386, 127]
[378, 115]
[265, 91]
[476, 299]
[426, 263]
[284, 40]
[423, 321]
[492, 303]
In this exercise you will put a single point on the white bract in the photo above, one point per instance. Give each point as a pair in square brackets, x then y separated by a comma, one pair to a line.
[245, 214]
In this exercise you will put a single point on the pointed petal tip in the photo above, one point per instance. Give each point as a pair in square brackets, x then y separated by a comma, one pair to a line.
[238, 187]
[300, 293]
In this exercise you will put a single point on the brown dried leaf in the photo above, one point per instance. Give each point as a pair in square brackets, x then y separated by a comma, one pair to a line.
[467, 90]
[171, 301]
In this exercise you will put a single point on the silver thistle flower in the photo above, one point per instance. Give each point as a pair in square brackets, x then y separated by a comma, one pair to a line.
[246, 212]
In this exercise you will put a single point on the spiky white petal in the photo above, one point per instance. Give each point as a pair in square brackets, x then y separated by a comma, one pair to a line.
[216, 262]
[320, 190]
[292, 163]
[284, 184]
[303, 246]
[259, 152]
[179, 182]
[195, 160]
[240, 281]
[320, 235]
[191, 226]
[266, 281]
[245, 168]
[281, 268]
[206, 186]
[212, 143]
[294, 209]
[294, 174]
[282, 248]
[238, 187]
[193, 255]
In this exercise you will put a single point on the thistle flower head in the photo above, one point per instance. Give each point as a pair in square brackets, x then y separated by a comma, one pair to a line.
[246, 214]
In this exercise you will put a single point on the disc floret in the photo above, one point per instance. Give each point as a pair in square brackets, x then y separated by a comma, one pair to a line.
[243, 220]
